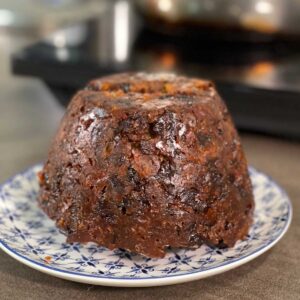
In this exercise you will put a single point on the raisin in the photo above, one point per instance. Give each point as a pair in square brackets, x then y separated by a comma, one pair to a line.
[189, 197]
[117, 184]
[203, 139]
[133, 175]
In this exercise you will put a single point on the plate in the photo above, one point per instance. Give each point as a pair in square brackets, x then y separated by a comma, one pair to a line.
[28, 235]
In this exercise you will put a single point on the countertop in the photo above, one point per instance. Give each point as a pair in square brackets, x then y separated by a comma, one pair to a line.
[29, 117]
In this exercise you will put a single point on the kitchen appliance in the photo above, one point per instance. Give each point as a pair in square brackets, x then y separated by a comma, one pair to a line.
[261, 16]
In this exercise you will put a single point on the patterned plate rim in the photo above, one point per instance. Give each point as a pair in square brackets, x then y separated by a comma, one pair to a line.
[155, 280]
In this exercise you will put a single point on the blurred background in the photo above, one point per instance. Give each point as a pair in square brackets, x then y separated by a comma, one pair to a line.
[51, 48]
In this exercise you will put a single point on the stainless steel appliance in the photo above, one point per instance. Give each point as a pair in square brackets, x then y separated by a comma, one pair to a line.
[264, 16]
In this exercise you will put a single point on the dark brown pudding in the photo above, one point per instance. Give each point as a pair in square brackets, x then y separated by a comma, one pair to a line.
[145, 161]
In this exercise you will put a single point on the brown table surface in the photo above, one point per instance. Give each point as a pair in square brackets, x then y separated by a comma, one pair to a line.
[28, 119]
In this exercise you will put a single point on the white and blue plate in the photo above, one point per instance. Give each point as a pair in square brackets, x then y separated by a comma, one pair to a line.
[28, 235]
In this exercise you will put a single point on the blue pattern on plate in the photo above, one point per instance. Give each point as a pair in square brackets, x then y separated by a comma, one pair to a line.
[27, 232]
